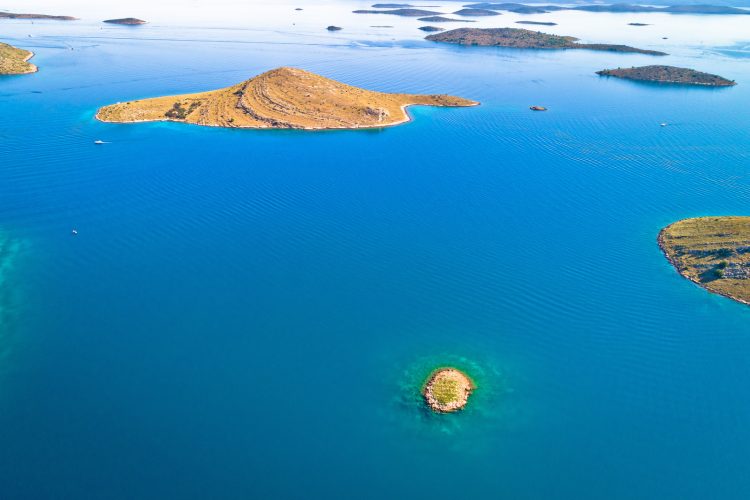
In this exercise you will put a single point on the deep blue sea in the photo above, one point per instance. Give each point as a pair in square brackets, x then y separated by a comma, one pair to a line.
[250, 314]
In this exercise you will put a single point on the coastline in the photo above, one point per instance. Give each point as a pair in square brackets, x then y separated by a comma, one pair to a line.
[404, 108]
[678, 268]
[453, 407]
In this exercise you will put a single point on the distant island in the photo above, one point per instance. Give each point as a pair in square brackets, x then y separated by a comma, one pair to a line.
[713, 252]
[441, 19]
[431, 29]
[390, 5]
[526, 39]
[447, 390]
[334, 28]
[400, 12]
[14, 61]
[127, 21]
[638, 24]
[11, 15]
[476, 12]
[282, 98]
[668, 74]
[541, 23]
[617, 7]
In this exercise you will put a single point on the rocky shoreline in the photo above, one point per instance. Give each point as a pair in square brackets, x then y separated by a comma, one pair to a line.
[447, 390]
[726, 271]
[284, 98]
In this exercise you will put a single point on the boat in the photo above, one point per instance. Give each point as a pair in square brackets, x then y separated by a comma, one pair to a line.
[74, 232]
[99, 142]
[537, 108]
[663, 124]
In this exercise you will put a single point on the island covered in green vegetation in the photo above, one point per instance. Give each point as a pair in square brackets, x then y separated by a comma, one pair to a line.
[127, 21]
[616, 7]
[526, 39]
[15, 61]
[713, 252]
[476, 12]
[540, 23]
[447, 390]
[12, 15]
[399, 12]
[442, 19]
[668, 74]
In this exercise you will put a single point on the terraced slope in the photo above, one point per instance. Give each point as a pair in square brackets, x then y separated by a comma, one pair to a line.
[281, 98]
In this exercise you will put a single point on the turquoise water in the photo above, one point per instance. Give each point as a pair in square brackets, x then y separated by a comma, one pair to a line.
[250, 314]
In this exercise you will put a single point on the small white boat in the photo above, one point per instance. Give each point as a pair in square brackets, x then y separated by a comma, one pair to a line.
[74, 232]
[99, 142]
[663, 124]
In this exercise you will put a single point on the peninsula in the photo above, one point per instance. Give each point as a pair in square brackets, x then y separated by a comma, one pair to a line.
[447, 390]
[286, 98]
[668, 74]
[526, 39]
[14, 61]
[127, 21]
[11, 15]
[713, 252]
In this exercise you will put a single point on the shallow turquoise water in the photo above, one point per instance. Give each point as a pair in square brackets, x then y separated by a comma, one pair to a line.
[251, 313]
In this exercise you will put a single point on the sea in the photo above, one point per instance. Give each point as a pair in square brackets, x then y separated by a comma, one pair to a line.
[252, 313]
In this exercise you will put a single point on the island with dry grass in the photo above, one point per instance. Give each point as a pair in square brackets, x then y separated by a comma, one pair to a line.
[287, 98]
[447, 390]
[668, 74]
[526, 39]
[712, 252]
[15, 61]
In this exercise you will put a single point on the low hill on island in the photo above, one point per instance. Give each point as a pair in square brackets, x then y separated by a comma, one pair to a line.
[14, 61]
[281, 98]
[11, 15]
[127, 21]
[526, 39]
[713, 252]
[668, 74]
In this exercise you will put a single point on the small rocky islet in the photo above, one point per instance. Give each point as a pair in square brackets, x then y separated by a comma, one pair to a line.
[526, 39]
[126, 21]
[447, 390]
[668, 75]
[712, 252]
[15, 61]
[288, 98]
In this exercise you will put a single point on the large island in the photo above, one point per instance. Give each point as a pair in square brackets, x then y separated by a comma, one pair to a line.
[713, 252]
[526, 39]
[15, 61]
[281, 98]
[668, 74]
[13, 15]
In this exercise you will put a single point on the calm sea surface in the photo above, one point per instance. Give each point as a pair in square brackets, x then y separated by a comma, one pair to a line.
[250, 314]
